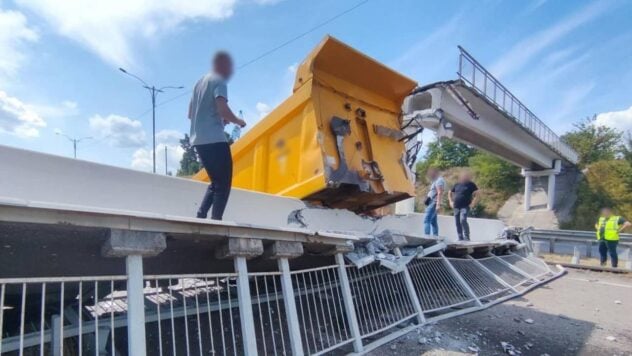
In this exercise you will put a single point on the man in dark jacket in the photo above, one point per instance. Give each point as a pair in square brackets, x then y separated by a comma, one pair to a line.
[463, 196]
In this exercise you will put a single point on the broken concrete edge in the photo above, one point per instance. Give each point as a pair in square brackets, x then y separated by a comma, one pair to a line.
[240, 247]
[122, 243]
[284, 249]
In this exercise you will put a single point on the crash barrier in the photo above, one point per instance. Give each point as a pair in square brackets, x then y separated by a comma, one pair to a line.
[567, 241]
[332, 309]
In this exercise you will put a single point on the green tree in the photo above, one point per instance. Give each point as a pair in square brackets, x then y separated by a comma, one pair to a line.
[606, 183]
[189, 163]
[494, 173]
[626, 149]
[446, 153]
[593, 142]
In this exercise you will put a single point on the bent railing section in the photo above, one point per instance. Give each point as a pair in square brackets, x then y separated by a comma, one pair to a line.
[472, 73]
[200, 314]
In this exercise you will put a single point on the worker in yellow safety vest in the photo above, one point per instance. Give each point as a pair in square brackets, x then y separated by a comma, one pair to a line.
[608, 228]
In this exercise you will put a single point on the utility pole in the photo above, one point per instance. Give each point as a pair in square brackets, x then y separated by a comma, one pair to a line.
[154, 92]
[74, 141]
[166, 164]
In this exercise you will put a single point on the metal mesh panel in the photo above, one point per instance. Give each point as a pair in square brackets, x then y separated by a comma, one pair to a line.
[65, 316]
[524, 265]
[435, 284]
[269, 314]
[381, 299]
[504, 272]
[192, 314]
[481, 283]
[320, 309]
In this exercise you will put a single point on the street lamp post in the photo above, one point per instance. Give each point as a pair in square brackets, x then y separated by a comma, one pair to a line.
[74, 141]
[154, 92]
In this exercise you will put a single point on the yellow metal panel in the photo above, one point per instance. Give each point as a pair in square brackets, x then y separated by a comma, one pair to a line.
[335, 139]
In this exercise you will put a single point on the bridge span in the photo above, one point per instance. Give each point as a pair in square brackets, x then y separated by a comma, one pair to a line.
[478, 110]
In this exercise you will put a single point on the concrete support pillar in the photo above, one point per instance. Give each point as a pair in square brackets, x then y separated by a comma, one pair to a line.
[134, 245]
[551, 193]
[527, 192]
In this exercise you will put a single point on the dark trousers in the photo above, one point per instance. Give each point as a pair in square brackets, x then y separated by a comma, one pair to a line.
[217, 161]
[609, 247]
[462, 227]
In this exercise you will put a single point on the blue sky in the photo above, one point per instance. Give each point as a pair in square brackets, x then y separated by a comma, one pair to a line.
[58, 60]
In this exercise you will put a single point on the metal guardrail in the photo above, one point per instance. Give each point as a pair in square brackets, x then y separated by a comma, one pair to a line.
[338, 308]
[475, 75]
[585, 238]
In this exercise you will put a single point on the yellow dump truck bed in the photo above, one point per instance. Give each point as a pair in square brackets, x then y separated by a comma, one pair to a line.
[336, 140]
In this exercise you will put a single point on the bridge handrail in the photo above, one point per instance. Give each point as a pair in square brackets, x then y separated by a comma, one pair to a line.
[492, 89]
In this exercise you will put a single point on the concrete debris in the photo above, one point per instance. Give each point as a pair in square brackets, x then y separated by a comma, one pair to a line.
[528, 321]
[473, 348]
[422, 341]
[510, 349]
[394, 347]
[529, 304]
[617, 302]
[611, 338]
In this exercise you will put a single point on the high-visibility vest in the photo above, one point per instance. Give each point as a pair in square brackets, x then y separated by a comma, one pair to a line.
[610, 227]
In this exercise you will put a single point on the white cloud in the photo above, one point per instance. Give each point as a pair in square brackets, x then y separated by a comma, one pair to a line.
[263, 109]
[14, 35]
[118, 130]
[110, 28]
[620, 120]
[64, 109]
[521, 53]
[17, 118]
[142, 158]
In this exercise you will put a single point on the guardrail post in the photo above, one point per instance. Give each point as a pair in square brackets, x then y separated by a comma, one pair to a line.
[239, 249]
[135, 306]
[345, 287]
[412, 293]
[552, 245]
[589, 249]
[460, 279]
[282, 251]
[246, 318]
[134, 245]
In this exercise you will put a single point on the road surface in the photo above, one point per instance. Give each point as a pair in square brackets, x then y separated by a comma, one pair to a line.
[581, 313]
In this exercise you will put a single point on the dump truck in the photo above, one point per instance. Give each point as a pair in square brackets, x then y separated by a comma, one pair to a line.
[337, 140]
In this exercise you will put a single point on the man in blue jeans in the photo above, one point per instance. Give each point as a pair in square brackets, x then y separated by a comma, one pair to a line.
[209, 112]
[463, 196]
[433, 202]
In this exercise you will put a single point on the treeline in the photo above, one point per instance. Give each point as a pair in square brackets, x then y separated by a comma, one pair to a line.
[496, 178]
[606, 161]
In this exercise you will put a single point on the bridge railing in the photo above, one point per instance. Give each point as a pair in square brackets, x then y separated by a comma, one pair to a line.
[476, 76]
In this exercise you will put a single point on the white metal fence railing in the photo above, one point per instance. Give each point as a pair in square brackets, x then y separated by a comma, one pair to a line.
[477, 77]
[335, 309]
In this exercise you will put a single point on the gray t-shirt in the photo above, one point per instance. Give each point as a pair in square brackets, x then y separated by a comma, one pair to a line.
[207, 125]
[437, 183]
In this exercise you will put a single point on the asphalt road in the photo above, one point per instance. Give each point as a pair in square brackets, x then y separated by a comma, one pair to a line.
[581, 313]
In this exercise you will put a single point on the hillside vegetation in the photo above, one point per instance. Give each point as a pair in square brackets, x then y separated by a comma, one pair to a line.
[605, 160]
